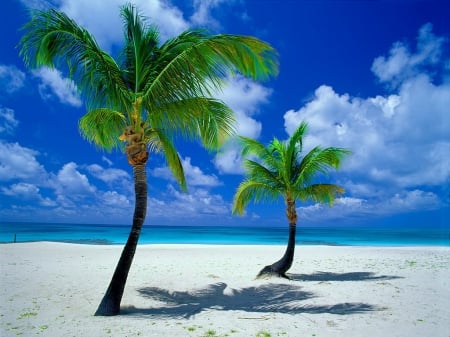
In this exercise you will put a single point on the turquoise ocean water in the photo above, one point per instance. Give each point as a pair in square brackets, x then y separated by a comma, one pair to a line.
[117, 234]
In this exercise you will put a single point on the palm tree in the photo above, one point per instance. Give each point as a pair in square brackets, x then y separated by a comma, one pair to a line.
[146, 97]
[281, 171]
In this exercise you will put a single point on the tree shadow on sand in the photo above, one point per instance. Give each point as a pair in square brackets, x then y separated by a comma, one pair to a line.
[269, 298]
[353, 276]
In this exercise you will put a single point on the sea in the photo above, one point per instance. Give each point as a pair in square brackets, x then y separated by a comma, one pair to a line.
[103, 234]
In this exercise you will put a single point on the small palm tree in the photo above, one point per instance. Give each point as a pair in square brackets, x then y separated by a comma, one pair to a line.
[141, 100]
[281, 171]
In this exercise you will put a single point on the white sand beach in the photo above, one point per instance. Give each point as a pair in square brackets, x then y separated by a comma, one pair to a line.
[53, 289]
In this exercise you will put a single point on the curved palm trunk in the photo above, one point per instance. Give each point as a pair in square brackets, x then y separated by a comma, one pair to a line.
[110, 304]
[280, 267]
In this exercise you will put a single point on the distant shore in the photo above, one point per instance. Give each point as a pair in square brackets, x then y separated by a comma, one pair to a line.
[53, 289]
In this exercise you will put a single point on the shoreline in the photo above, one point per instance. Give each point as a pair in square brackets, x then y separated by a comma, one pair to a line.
[189, 289]
[226, 235]
[109, 243]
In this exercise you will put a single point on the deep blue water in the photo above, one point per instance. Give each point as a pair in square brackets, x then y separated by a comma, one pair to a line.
[117, 234]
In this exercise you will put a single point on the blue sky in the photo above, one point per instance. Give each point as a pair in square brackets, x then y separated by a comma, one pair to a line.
[370, 76]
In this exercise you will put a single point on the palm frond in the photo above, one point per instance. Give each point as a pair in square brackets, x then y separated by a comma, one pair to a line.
[103, 127]
[318, 161]
[206, 119]
[257, 172]
[158, 141]
[251, 147]
[250, 190]
[141, 41]
[53, 39]
[195, 63]
[278, 170]
[321, 193]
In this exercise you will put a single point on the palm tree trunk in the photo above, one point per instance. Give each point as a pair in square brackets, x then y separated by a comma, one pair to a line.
[110, 304]
[280, 267]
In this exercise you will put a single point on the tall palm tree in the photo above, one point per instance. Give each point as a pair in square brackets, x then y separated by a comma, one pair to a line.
[146, 97]
[280, 170]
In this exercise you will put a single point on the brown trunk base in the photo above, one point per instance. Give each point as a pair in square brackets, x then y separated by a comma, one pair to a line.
[271, 271]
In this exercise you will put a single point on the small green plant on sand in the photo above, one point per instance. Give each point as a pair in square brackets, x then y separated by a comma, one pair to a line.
[27, 314]
[411, 263]
[211, 333]
[263, 334]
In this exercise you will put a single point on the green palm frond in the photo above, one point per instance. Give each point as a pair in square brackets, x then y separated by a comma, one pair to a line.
[251, 147]
[203, 118]
[53, 39]
[321, 193]
[296, 140]
[103, 127]
[158, 141]
[279, 170]
[194, 63]
[257, 172]
[317, 161]
[141, 41]
[255, 191]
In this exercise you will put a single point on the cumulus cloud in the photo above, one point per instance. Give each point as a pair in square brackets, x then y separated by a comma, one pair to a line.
[53, 83]
[8, 122]
[400, 140]
[403, 63]
[353, 207]
[105, 23]
[18, 162]
[11, 79]
[202, 12]
[245, 98]
[26, 191]
[198, 202]
[108, 175]
[71, 182]
[194, 175]
[29, 191]
[115, 199]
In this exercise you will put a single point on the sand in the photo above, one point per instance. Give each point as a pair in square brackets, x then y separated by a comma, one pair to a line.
[53, 289]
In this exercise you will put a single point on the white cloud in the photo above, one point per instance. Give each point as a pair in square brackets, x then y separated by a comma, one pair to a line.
[114, 199]
[400, 139]
[229, 159]
[105, 22]
[7, 121]
[351, 207]
[202, 12]
[66, 196]
[194, 175]
[107, 161]
[69, 181]
[53, 83]
[108, 175]
[244, 97]
[400, 142]
[198, 202]
[402, 63]
[17, 162]
[11, 79]
[28, 192]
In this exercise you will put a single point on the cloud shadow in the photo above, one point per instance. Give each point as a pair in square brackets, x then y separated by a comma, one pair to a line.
[268, 298]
